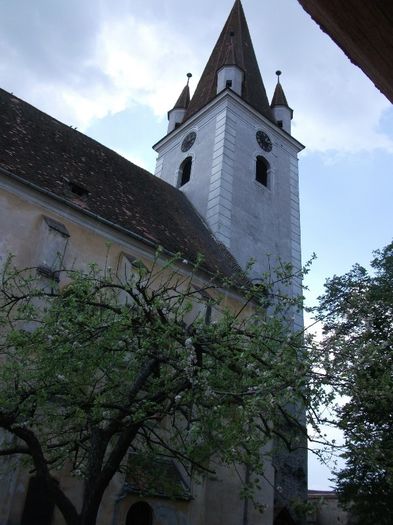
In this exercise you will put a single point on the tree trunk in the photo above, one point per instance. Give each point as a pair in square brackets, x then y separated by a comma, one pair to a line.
[98, 483]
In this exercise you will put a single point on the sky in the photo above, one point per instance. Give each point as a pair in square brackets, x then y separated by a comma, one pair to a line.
[113, 68]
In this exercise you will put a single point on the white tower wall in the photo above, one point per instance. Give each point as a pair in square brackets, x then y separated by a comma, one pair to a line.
[283, 114]
[252, 220]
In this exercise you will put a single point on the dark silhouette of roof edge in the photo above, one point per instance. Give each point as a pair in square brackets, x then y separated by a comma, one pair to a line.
[363, 30]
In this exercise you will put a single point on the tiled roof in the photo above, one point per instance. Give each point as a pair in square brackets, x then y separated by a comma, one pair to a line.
[42, 151]
[233, 46]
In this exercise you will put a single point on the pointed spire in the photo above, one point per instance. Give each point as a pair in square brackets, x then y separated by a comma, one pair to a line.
[281, 111]
[279, 98]
[184, 100]
[234, 47]
[176, 114]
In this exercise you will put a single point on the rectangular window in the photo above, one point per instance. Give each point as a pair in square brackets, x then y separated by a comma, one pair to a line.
[51, 246]
[128, 272]
[262, 171]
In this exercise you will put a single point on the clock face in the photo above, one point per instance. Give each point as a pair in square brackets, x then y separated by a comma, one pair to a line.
[188, 141]
[264, 141]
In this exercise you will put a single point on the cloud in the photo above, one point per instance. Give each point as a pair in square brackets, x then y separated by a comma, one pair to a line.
[336, 107]
[134, 157]
[145, 62]
[342, 115]
[83, 61]
[79, 74]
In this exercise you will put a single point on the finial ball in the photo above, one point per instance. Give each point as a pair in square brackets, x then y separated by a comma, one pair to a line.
[278, 72]
[189, 75]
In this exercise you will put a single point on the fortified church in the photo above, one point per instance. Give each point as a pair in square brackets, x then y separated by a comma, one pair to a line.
[225, 185]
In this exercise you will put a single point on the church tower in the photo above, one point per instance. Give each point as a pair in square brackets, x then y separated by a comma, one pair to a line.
[232, 154]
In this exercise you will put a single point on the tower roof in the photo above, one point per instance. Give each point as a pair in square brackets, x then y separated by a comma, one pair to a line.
[279, 98]
[184, 99]
[234, 47]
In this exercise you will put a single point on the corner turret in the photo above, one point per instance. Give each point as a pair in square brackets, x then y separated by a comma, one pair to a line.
[281, 111]
[177, 113]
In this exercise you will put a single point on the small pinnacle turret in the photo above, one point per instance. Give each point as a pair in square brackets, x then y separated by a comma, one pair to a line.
[281, 110]
[279, 98]
[184, 100]
[176, 114]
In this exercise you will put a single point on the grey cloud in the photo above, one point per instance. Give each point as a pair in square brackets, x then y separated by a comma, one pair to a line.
[52, 46]
[48, 39]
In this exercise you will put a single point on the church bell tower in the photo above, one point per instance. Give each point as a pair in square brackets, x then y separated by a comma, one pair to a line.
[233, 156]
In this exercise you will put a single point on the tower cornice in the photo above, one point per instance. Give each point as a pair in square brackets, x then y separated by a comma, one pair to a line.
[228, 93]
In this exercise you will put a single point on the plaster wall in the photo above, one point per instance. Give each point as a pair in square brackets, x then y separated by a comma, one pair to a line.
[170, 158]
[327, 510]
[252, 220]
[284, 114]
[224, 505]
[175, 117]
[233, 74]
[21, 219]
[263, 217]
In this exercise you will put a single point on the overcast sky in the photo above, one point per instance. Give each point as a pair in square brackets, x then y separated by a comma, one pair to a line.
[114, 68]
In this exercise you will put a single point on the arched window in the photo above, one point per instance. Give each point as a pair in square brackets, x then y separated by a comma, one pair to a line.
[262, 171]
[140, 514]
[185, 171]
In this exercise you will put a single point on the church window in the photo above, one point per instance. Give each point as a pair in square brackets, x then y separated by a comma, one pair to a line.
[228, 84]
[130, 271]
[140, 514]
[185, 171]
[51, 246]
[279, 123]
[129, 267]
[262, 171]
